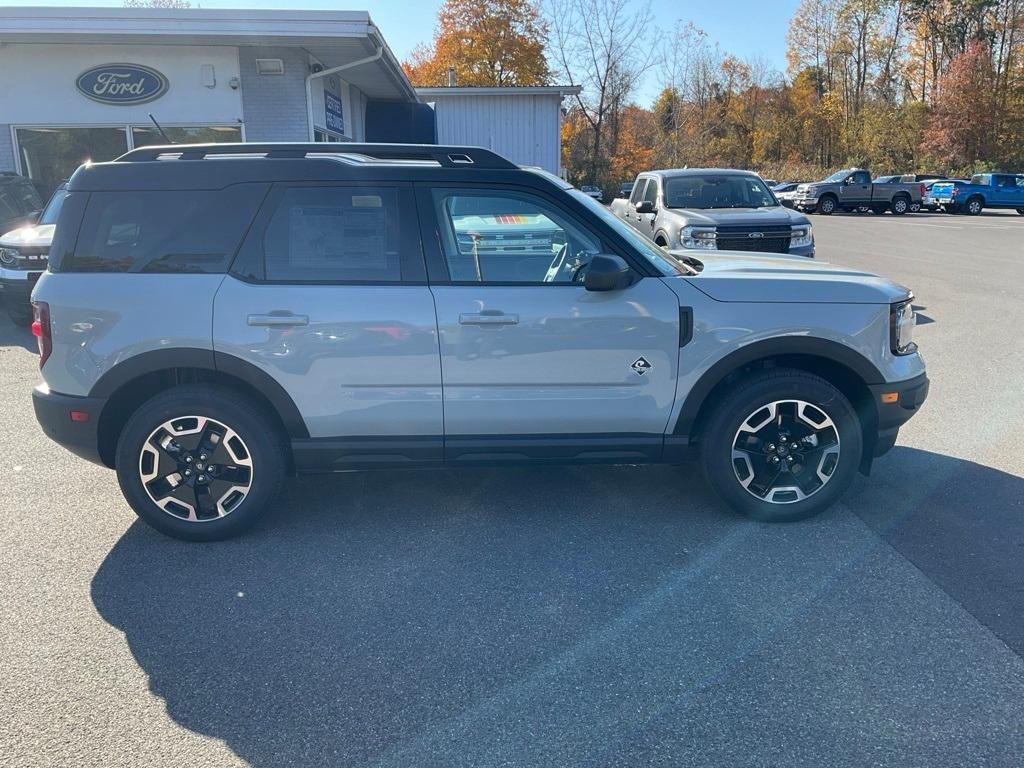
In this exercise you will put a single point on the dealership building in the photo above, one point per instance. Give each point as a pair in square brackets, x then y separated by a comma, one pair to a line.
[80, 84]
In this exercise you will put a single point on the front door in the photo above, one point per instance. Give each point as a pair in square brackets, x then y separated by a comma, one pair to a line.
[329, 297]
[534, 365]
[857, 188]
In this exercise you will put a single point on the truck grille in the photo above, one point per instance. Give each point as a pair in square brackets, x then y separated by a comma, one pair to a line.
[772, 240]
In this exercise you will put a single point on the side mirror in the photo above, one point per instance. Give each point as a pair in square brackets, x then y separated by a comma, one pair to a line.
[607, 272]
[645, 206]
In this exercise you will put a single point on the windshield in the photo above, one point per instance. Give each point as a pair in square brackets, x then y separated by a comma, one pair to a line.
[52, 210]
[838, 176]
[663, 262]
[714, 190]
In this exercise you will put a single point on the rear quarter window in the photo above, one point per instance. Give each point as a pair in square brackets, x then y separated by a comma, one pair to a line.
[165, 231]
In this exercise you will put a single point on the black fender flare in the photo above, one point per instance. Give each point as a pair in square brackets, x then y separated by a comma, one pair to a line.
[157, 360]
[805, 346]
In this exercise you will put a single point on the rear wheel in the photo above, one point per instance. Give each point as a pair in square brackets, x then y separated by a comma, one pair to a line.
[900, 205]
[974, 206]
[782, 445]
[199, 463]
[827, 205]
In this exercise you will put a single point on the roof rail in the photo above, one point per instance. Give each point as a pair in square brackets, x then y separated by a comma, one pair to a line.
[446, 156]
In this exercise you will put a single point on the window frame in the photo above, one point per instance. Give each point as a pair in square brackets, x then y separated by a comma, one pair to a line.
[437, 261]
[250, 265]
[639, 190]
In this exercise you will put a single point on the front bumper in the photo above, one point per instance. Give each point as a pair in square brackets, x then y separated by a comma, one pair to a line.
[906, 397]
[17, 284]
[53, 412]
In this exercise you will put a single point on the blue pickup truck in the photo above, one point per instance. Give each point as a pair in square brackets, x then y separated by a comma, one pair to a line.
[985, 190]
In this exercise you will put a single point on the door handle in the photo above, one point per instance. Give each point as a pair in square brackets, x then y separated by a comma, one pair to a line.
[278, 320]
[487, 318]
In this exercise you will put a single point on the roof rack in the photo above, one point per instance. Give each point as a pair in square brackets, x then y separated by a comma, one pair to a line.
[445, 156]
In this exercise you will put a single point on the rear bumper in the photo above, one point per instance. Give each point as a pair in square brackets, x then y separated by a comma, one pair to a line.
[910, 396]
[53, 412]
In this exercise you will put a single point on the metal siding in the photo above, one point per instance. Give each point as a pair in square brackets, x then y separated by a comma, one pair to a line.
[525, 129]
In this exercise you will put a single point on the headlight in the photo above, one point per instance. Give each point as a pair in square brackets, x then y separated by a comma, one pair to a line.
[8, 256]
[901, 327]
[695, 237]
[801, 236]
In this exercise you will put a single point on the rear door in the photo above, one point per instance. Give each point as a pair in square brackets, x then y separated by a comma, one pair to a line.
[329, 297]
[533, 364]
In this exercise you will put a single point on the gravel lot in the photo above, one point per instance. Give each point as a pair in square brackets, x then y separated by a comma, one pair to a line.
[558, 616]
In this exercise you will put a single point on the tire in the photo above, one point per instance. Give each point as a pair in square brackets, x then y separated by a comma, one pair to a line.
[749, 402]
[900, 205]
[974, 206]
[915, 207]
[20, 312]
[826, 205]
[878, 209]
[660, 242]
[1020, 211]
[253, 453]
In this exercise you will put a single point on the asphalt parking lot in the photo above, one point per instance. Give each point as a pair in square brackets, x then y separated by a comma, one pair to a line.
[559, 616]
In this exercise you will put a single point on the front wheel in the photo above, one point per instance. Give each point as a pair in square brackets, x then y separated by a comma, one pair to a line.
[827, 205]
[782, 445]
[199, 463]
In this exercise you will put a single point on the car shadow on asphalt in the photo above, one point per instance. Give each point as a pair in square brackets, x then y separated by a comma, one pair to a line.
[376, 617]
[12, 335]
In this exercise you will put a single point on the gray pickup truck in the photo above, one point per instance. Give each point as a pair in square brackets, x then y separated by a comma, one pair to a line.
[713, 209]
[853, 190]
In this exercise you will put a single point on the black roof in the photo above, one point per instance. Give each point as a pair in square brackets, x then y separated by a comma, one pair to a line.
[213, 166]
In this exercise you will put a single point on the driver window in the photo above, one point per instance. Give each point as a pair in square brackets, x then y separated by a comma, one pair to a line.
[510, 238]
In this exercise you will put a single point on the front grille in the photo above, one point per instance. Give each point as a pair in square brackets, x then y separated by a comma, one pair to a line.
[773, 240]
[763, 245]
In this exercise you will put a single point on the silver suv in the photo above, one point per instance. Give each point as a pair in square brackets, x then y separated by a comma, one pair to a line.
[217, 317]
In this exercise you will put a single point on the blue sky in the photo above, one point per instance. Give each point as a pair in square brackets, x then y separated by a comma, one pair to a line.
[743, 27]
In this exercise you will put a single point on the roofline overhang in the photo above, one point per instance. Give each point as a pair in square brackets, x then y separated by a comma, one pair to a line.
[526, 90]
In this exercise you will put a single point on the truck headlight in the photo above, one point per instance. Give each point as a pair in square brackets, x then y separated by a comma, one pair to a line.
[695, 237]
[801, 236]
[901, 327]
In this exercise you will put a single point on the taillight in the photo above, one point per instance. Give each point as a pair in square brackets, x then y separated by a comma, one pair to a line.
[41, 329]
[952, 192]
[922, 190]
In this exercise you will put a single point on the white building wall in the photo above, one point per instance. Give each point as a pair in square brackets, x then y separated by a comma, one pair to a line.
[523, 128]
[37, 85]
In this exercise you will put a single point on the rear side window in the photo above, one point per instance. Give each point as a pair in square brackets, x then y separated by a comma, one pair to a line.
[338, 235]
[180, 231]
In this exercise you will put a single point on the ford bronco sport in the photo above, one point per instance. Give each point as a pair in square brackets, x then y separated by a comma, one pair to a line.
[217, 317]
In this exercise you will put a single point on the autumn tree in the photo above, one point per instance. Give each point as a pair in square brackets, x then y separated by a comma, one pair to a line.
[600, 45]
[486, 43]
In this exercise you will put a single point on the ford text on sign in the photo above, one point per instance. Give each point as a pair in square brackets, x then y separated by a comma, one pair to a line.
[122, 84]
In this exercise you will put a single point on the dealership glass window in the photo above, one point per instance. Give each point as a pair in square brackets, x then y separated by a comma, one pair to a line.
[50, 155]
[147, 136]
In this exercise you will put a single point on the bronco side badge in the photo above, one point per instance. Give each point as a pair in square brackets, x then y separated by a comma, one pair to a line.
[641, 366]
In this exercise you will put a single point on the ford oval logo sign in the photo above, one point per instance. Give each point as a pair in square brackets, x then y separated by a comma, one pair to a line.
[756, 235]
[122, 84]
